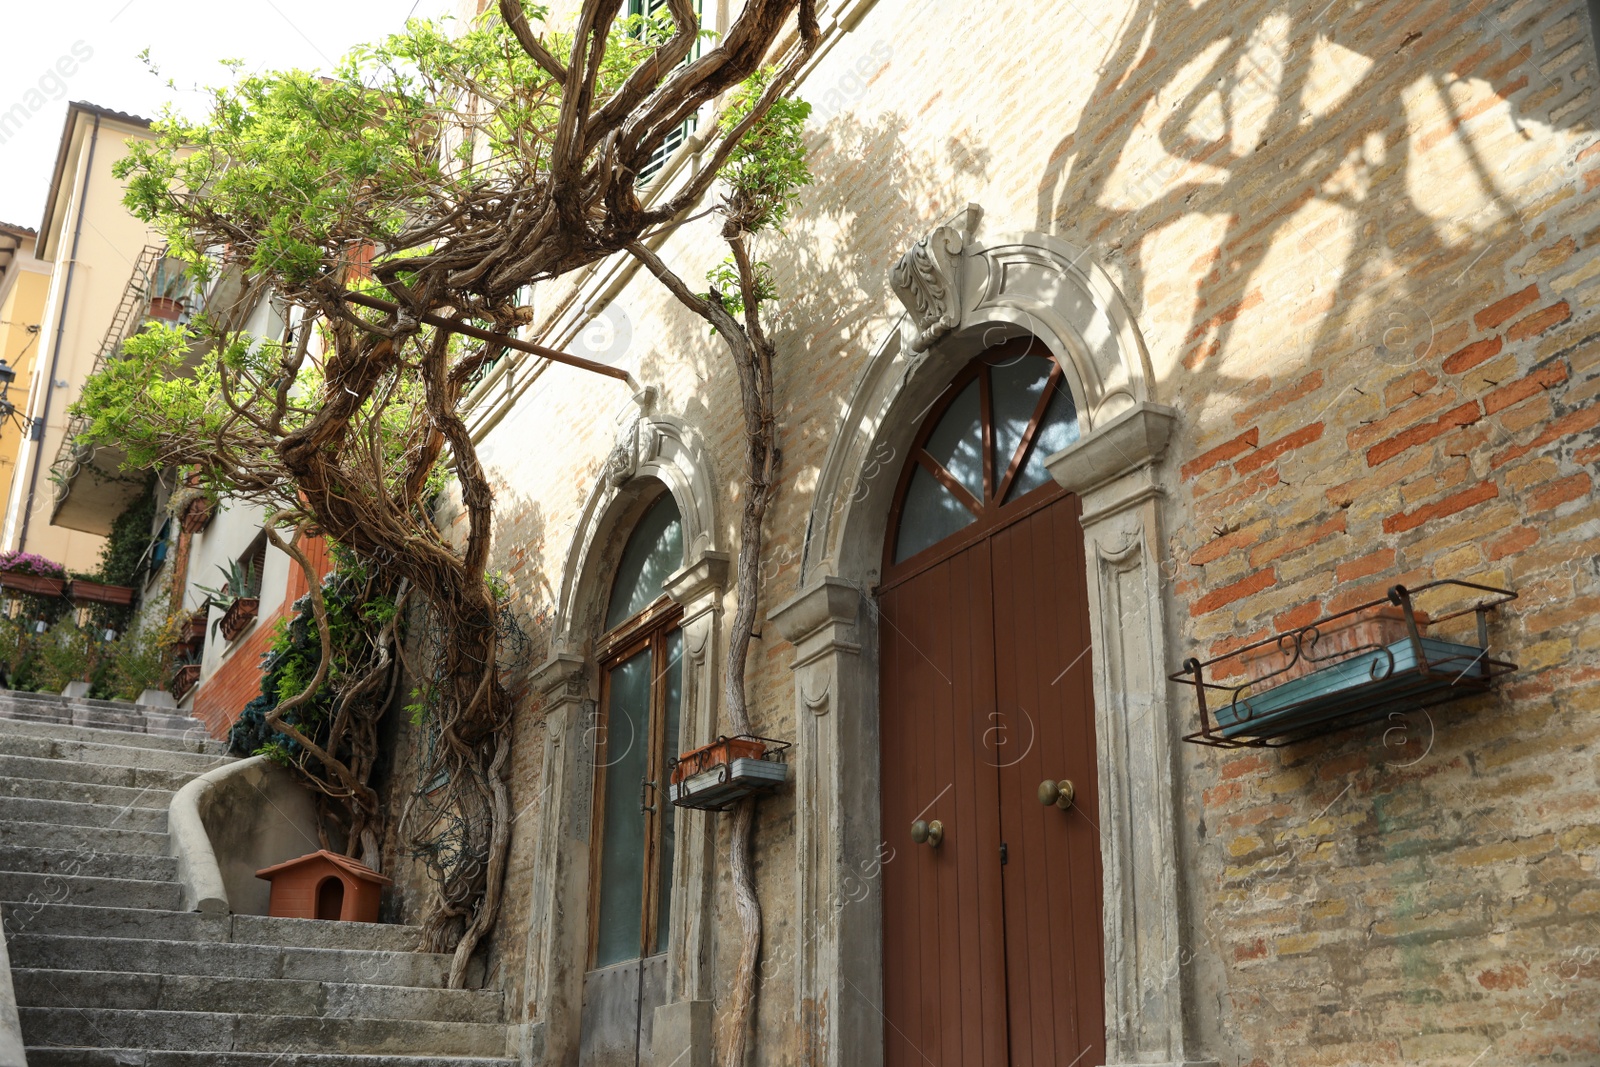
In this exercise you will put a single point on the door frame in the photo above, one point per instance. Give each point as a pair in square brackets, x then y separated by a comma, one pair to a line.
[1023, 284]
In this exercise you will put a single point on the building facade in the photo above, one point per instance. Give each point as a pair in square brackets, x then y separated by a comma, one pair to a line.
[92, 247]
[1315, 288]
[24, 280]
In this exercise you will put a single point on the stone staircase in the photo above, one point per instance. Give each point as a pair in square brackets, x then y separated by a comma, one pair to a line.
[108, 970]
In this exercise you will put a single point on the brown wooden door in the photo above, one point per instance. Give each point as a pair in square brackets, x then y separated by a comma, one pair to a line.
[992, 942]
[1044, 686]
[944, 949]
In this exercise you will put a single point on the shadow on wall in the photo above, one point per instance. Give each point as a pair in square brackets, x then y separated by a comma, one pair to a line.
[1306, 123]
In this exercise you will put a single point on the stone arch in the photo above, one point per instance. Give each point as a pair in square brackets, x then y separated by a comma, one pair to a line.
[1028, 283]
[962, 296]
[652, 451]
[652, 448]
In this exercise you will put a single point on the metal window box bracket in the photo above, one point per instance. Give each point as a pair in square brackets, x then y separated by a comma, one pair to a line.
[1349, 686]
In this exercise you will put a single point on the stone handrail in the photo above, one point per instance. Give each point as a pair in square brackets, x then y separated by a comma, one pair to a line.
[11, 1052]
[229, 823]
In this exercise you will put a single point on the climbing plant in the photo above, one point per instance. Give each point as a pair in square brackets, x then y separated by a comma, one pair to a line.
[763, 178]
[396, 211]
[340, 716]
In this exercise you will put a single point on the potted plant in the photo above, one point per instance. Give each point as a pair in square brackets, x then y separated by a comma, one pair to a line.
[165, 308]
[185, 673]
[31, 575]
[194, 627]
[239, 597]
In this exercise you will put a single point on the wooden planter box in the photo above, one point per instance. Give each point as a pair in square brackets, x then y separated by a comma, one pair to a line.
[32, 584]
[240, 614]
[193, 633]
[100, 593]
[184, 679]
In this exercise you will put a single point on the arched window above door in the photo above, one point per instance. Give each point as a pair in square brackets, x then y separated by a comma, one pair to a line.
[983, 447]
[653, 552]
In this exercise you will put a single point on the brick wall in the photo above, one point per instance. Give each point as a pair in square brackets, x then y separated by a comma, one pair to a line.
[1361, 245]
[222, 695]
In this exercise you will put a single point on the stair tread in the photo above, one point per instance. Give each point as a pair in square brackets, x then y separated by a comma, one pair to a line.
[216, 995]
[94, 1057]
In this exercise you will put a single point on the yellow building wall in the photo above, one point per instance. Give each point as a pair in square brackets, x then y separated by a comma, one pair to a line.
[21, 308]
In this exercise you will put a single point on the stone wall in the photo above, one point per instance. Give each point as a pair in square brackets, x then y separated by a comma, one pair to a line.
[1358, 241]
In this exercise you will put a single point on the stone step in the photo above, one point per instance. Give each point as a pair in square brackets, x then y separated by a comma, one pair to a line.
[85, 792]
[18, 886]
[87, 862]
[30, 948]
[52, 1057]
[79, 838]
[67, 813]
[136, 991]
[95, 921]
[231, 1032]
[61, 732]
[66, 770]
[96, 752]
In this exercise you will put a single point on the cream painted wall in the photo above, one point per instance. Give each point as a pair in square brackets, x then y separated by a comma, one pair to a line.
[108, 241]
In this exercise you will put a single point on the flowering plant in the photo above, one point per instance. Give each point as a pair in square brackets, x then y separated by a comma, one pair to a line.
[31, 563]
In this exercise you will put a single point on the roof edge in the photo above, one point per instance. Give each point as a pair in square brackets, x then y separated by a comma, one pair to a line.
[75, 109]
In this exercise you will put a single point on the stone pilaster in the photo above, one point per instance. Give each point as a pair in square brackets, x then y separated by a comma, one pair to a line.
[1114, 471]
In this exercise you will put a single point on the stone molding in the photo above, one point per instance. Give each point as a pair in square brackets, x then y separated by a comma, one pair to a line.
[665, 449]
[1040, 285]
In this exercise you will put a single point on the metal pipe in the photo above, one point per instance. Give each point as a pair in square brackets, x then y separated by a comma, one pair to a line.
[43, 419]
[457, 326]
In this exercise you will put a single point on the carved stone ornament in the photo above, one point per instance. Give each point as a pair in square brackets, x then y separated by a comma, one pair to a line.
[927, 281]
[623, 462]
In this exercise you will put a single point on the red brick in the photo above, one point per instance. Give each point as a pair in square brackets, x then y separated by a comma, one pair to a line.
[1295, 540]
[1573, 422]
[1472, 355]
[1501, 310]
[1521, 389]
[1515, 541]
[1238, 768]
[1222, 453]
[1464, 415]
[1300, 388]
[1373, 563]
[1557, 493]
[1244, 587]
[1218, 547]
[1261, 457]
[1540, 321]
[1450, 505]
[1294, 618]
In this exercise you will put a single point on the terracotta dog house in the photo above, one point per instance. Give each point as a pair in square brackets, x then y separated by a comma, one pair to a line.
[324, 885]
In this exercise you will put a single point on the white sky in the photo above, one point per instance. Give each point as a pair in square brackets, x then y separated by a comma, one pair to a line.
[186, 39]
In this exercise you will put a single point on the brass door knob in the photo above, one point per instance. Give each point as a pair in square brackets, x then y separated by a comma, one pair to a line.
[1058, 793]
[927, 833]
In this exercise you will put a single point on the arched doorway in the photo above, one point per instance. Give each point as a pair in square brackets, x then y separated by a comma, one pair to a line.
[992, 910]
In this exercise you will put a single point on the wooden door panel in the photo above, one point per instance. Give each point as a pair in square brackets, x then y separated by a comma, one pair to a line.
[943, 934]
[1052, 881]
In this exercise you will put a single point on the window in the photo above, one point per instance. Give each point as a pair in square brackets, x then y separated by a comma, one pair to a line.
[675, 138]
[641, 697]
[985, 449]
